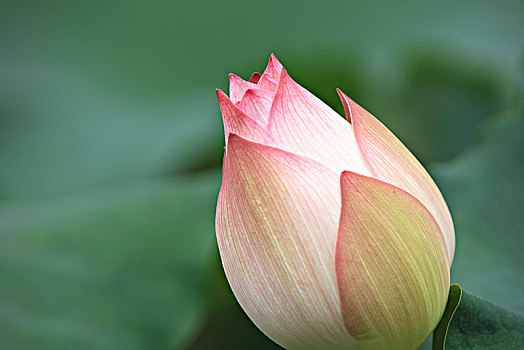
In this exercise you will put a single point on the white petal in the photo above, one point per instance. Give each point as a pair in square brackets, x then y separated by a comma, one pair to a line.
[276, 224]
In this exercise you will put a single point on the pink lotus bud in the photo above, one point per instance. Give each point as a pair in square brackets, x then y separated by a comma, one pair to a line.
[331, 233]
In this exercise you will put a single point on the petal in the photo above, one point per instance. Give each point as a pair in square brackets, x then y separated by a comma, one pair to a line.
[255, 77]
[256, 103]
[237, 122]
[267, 83]
[238, 86]
[271, 76]
[305, 125]
[276, 224]
[389, 160]
[391, 265]
[274, 68]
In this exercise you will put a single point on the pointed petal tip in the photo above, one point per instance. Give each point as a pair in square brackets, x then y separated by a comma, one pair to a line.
[347, 103]
[284, 78]
[237, 121]
[248, 93]
[345, 176]
[233, 76]
[344, 97]
[271, 76]
[236, 142]
[254, 92]
[274, 60]
[231, 142]
[222, 97]
[351, 179]
[233, 137]
[237, 87]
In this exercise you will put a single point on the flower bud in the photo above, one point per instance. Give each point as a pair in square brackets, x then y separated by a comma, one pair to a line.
[331, 233]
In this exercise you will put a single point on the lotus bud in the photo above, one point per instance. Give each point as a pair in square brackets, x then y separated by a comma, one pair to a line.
[331, 233]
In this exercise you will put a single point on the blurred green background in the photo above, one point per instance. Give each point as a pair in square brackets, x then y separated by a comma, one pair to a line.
[111, 145]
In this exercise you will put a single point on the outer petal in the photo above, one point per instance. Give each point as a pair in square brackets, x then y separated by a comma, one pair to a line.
[389, 160]
[256, 103]
[305, 125]
[276, 229]
[237, 122]
[238, 86]
[391, 265]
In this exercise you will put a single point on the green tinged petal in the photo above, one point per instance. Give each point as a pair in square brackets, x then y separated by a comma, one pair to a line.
[391, 265]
